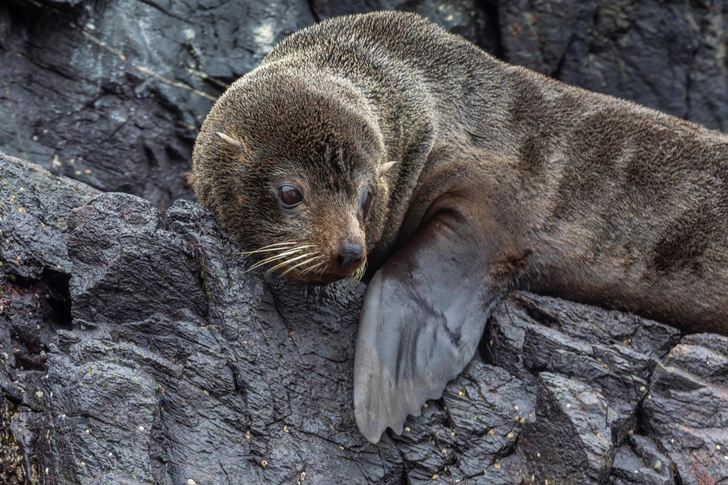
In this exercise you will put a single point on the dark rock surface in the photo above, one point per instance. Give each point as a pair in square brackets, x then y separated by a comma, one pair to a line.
[134, 347]
[142, 352]
[34, 298]
[113, 93]
[666, 55]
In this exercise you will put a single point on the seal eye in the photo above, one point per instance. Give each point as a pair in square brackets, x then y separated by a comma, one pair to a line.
[365, 202]
[289, 196]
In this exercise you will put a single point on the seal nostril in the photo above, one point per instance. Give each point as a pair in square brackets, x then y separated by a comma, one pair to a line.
[349, 253]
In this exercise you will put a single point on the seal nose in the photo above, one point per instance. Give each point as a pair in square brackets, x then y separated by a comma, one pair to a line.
[349, 253]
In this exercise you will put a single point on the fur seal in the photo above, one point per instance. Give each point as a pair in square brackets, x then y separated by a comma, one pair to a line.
[504, 179]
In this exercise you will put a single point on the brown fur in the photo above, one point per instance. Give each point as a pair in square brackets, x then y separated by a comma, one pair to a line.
[577, 194]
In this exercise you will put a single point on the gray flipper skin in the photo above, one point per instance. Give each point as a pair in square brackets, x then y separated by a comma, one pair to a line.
[423, 316]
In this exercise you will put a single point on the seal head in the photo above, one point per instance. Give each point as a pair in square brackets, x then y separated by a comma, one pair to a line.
[294, 169]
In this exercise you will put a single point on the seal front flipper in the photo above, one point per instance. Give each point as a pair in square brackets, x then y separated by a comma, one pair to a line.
[423, 316]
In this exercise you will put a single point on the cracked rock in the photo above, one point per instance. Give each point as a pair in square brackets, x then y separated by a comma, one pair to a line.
[570, 440]
[687, 417]
[641, 462]
[135, 347]
[162, 359]
[628, 49]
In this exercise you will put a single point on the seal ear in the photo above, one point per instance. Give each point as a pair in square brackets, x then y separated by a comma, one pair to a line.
[384, 168]
[235, 143]
[423, 316]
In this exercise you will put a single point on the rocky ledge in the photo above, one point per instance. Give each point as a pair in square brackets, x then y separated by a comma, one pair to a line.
[136, 349]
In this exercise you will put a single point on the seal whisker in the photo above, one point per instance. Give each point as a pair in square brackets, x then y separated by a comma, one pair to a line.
[299, 264]
[283, 243]
[359, 273]
[271, 247]
[287, 261]
[275, 257]
[311, 268]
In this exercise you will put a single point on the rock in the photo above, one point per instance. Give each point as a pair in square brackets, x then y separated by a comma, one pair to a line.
[473, 431]
[627, 49]
[127, 267]
[704, 355]
[152, 355]
[135, 347]
[688, 418]
[226, 385]
[594, 324]
[477, 22]
[138, 78]
[570, 440]
[640, 461]
[35, 208]
[34, 300]
[648, 378]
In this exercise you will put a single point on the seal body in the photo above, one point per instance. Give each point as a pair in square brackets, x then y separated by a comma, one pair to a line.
[504, 179]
